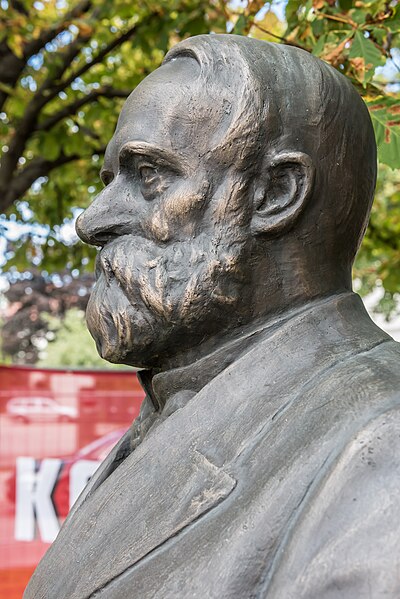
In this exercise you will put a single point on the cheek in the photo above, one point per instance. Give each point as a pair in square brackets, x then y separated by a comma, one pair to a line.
[177, 213]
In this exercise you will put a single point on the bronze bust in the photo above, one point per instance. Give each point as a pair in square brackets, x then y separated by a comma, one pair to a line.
[266, 459]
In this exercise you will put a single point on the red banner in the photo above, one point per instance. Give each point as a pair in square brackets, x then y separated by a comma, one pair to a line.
[56, 426]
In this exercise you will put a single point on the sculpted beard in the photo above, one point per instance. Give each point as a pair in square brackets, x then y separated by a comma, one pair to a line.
[147, 296]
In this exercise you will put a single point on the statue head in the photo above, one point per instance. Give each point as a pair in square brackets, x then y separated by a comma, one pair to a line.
[238, 185]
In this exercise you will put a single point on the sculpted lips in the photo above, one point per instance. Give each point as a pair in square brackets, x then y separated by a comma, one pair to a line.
[107, 269]
[122, 263]
[104, 264]
[99, 270]
[103, 267]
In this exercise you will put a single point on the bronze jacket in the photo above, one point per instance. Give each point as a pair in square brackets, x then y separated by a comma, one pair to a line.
[280, 479]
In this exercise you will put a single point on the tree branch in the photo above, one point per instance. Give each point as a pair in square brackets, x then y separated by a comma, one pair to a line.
[47, 35]
[102, 54]
[21, 182]
[87, 131]
[11, 66]
[65, 58]
[38, 167]
[73, 107]
[346, 21]
[115, 43]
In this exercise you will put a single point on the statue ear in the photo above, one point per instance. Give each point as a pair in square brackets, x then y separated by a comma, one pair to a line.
[282, 192]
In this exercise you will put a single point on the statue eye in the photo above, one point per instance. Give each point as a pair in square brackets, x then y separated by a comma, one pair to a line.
[148, 174]
[107, 177]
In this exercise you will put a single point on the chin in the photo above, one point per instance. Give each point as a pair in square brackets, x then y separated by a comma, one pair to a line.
[118, 354]
[112, 352]
[123, 334]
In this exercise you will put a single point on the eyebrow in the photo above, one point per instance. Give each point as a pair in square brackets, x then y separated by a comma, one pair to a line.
[161, 155]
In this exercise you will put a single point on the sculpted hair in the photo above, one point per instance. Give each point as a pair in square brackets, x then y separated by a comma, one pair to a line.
[239, 108]
[273, 97]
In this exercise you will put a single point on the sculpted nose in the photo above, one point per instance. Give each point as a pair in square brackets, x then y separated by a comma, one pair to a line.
[105, 219]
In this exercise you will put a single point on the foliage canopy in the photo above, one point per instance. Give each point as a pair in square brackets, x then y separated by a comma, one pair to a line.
[66, 67]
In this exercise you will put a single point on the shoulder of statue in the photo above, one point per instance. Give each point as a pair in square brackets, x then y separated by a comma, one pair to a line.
[344, 539]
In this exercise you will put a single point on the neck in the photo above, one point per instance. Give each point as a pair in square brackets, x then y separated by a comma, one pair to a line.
[246, 331]
[288, 276]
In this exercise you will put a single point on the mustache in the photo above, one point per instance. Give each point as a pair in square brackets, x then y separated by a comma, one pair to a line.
[131, 266]
[105, 258]
[126, 252]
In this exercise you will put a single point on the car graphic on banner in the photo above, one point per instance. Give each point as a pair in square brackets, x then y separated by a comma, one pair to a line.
[56, 427]
[28, 409]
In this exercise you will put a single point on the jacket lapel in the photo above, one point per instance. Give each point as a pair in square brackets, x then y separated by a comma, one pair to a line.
[111, 462]
[152, 495]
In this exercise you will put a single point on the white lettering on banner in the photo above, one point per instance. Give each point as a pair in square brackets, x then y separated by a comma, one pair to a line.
[79, 476]
[33, 499]
[34, 488]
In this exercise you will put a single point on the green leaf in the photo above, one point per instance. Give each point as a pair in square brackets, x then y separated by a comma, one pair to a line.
[345, 4]
[291, 10]
[318, 26]
[393, 24]
[15, 42]
[366, 57]
[240, 25]
[358, 15]
[195, 26]
[319, 46]
[50, 147]
[379, 35]
[385, 115]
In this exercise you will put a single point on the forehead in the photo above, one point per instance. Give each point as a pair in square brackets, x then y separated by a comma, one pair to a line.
[169, 110]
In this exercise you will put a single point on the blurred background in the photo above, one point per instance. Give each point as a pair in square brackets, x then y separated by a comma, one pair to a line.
[66, 67]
